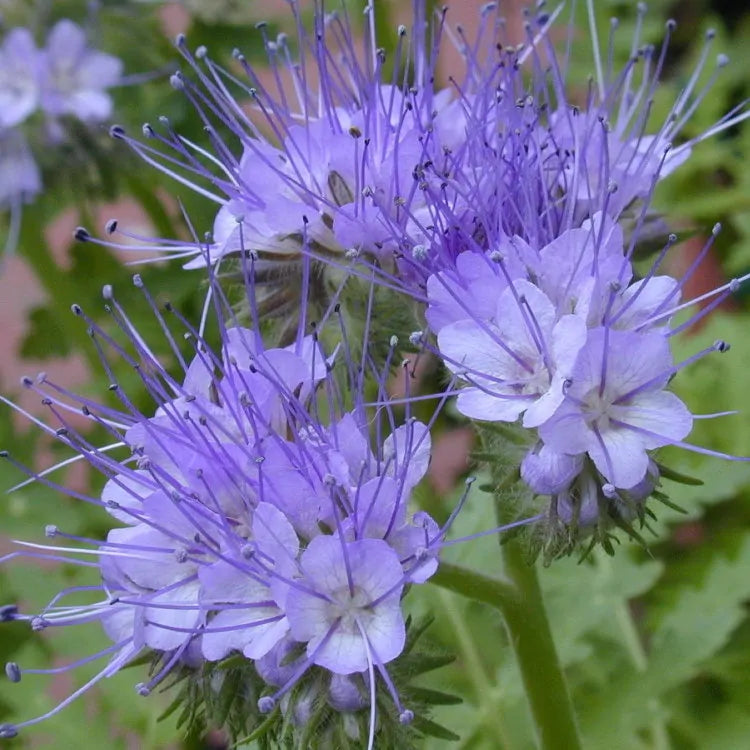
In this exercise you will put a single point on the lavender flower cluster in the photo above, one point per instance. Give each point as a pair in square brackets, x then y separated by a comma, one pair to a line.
[64, 79]
[266, 506]
[268, 530]
[258, 516]
[507, 210]
[565, 338]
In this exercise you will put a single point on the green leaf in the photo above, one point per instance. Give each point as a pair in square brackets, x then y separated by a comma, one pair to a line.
[696, 625]
[433, 729]
[433, 697]
[606, 585]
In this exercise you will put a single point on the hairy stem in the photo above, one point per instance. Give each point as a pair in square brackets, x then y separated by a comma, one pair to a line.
[473, 585]
[519, 599]
[531, 638]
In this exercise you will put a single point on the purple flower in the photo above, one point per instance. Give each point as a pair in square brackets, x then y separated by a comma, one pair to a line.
[534, 304]
[548, 165]
[266, 501]
[347, 605]
[616, 408]
[363, 173]
[608, 168]
[248, 523]
[65, 78]
[243, 591]
[566, 339]
[346, 170]
[518, 361]
[20, 72]
[75, 76]
[20, 180]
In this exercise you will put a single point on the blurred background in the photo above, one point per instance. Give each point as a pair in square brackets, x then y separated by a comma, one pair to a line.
[659, 656]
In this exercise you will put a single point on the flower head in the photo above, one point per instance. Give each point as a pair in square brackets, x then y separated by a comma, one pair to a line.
[251, 515]
[568, 340]
[74, 77]
[533, 297]
[20, 72]
[67, 78]
[335, 159]
[348, 608]
[392, 177]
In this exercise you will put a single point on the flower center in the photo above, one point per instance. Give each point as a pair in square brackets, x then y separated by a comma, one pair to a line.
[596, 408]
[538, 381]
[65, 77]
[349, 607]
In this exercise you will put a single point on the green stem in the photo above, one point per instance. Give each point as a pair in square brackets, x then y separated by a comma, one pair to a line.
[519, 599]
[541, 671]
[473, 585]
